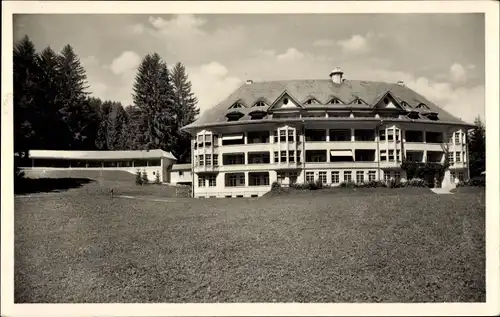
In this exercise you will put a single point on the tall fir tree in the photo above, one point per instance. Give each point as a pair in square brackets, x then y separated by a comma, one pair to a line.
[153, 97]
[26, 110]
[186, 111]
[101, 141]
[477, 148]
[48, 95]
[136, 128]
[116, 127]
[75, 107]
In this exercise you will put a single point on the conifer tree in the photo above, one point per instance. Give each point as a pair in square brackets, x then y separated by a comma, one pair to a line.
[477, 148]
[48, 95]
[186, 111]
[75, 109]
[26, 111]
[153, 97]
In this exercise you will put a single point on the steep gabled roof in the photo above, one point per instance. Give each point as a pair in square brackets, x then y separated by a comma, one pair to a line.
[323, 90]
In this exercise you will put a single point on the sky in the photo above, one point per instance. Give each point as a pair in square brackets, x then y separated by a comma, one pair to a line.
[441, 56]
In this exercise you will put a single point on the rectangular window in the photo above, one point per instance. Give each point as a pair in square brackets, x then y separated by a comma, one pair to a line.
[290, 136]
[201, 160]
[276, 157]
[322, 177]
[201, 181]
[232, 180]
[309, 177]
[398, 155]
[200, 138]
[387, 176]
[299, 153]
[391, 155]
[451, 157]
[291, 156]
[396, 134]
[266, 179]
[458, 137]
[282, 136]
[212, 181]
[181, 173]
[397, 176]
[283, 156]
[335, 177]
[275, 136]
[347, 176]
[390, 135]
[216, 159]
[360, 176]
[382, 135]
[383, 155]
[208, 160]
[458, 156]
[256, 180]
[371, 175]
[452, 177]
[242, 179]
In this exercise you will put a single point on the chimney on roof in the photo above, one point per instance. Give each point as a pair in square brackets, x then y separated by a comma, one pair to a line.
[401, 83]
[336, 75]
[249, 81]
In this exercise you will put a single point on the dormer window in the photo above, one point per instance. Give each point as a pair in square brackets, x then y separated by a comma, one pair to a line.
[285, 101]
[311, 101]
[236, 105]
[259, 104]
[335, 101]
[422, 106]
[405, 104]
[358, 102]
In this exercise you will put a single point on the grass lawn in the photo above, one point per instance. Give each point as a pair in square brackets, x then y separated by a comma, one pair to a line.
[372, 246]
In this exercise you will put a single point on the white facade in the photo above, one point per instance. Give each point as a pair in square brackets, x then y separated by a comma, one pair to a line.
[244, 160]
[181, 174]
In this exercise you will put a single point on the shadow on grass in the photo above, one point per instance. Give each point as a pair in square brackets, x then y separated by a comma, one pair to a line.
[43, 185]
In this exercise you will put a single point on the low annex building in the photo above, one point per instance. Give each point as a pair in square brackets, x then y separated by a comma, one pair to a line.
[334, 130]
[152, 162]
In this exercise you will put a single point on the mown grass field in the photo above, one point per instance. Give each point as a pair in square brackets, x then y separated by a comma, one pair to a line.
[339, 246]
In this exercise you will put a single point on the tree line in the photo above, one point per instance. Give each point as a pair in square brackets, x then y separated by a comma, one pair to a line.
[53, 109]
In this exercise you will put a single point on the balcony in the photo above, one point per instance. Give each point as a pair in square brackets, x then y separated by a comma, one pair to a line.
[206, 168]
[286, 165]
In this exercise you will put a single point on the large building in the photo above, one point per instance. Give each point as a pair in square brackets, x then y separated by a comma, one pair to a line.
[334, 130]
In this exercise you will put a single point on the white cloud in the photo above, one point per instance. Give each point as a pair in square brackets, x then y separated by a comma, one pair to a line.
[182, 23]
[356, 44]
[126, 62]
[212, 83]
[324, 43]
[98, 89]
[185, 37]
[137, 28]
[458, 73]
[292, 54]
[265, 52]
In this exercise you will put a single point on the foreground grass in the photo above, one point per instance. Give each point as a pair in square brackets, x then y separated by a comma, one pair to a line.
[377, 247]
